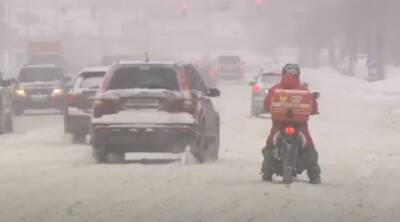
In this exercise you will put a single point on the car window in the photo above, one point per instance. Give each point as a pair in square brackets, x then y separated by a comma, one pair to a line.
[47, 59]
[195, 79]
[144, 78]
[270, 79]
[42, 74]
[229, 60]
[91, 80]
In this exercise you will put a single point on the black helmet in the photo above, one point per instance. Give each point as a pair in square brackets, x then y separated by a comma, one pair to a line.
[292, 69]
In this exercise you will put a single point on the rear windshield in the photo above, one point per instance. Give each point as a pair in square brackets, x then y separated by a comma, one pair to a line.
[91, 80]
[43, 74]
[47, 59]
[229, 60]
[144, 78]
[270, 79]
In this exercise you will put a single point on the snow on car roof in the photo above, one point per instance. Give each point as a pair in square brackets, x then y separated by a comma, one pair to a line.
[147, 63]
[41, 66]
[96, 69]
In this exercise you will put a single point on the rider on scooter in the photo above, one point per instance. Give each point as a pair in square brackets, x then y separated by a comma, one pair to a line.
[291, 80]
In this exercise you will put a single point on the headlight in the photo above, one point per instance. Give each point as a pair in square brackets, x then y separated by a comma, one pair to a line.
[57, 92]
[20, 92]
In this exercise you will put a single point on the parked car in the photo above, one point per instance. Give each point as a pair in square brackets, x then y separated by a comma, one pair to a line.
[260, 86]
[6, 114]
[154, 107]
[40, 87]
[229, 67]
[80, 101]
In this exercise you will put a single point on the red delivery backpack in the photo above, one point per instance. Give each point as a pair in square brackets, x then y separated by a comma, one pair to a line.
[291, 105]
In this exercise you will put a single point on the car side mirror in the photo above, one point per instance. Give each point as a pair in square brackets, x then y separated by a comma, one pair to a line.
[213, 92]
[316, 95]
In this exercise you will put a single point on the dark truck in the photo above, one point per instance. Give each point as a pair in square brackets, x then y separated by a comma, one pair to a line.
[46, 52]
[40, 87]
[80, 102]
[160, 107]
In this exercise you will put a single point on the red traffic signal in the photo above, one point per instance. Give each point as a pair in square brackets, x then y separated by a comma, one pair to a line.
[185, 6]
[184, 9]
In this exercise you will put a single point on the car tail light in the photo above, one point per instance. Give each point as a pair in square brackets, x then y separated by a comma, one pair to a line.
[104, 107]
[184, 81]
[188, 106]
[213, 71]
[257, 88]
[290, 131]
[72, 99]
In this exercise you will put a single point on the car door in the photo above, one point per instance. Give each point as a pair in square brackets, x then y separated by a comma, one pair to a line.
[200, 91]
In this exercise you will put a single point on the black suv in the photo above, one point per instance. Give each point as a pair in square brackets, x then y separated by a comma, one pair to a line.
[40, 87]
[154, 107]
[80, 102]
[6, 114]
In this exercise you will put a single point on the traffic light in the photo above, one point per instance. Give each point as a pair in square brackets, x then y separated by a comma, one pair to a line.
[185, 9]
[260, 3]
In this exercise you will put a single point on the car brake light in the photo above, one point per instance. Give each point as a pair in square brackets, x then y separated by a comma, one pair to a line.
[72, 99]
[257, 88]
[290, 131]
[104, 107]
[188, 106]
[213, 71]
[184, 81]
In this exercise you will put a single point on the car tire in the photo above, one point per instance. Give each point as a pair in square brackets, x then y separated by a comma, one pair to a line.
[211, 151]
[99, 154]
[3, 125]
[10, 123]
[254, 112]
[197, 149]
[18, 111]
[78, 138]
[115, 158]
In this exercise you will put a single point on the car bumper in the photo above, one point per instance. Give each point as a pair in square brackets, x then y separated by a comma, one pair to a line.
[230, 76]
[144, 138]
[45, 102]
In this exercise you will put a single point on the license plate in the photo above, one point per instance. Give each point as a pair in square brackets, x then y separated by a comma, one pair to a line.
[144, 103]
[39, 98]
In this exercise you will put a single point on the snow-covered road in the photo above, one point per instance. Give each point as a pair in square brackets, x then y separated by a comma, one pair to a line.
[44, 179]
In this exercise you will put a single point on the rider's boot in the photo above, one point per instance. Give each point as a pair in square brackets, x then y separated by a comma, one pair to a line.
[267, 166]
[311, 162]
